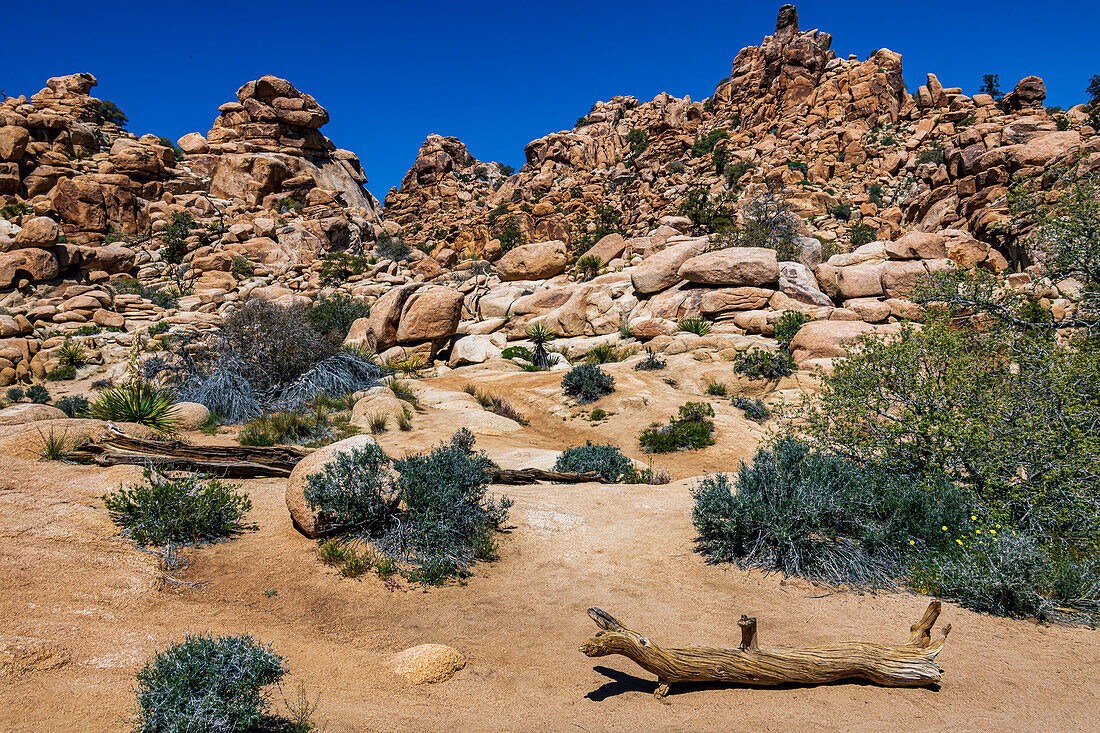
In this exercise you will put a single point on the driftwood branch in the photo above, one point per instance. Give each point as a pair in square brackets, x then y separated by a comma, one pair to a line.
[243, 461]
[910, 665]
[516, 476]
[230, 461]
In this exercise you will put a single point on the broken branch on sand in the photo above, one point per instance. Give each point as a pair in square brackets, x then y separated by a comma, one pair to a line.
[910, 665]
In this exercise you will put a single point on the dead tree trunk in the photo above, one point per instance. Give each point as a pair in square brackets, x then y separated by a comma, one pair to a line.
[220, 460]
[910, 665]
[517, 476]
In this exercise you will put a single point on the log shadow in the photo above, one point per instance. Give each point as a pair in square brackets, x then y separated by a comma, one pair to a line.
[622, 682]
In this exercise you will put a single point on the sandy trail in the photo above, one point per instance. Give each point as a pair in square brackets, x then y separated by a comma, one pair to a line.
[627, 549]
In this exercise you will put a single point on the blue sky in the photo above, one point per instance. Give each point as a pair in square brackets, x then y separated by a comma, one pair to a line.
[498, 74]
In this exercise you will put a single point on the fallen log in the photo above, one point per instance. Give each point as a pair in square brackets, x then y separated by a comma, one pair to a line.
[230, 461]
[910, 665]
[517, 476]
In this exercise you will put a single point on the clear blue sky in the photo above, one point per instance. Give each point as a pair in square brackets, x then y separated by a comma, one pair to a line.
[498, 74]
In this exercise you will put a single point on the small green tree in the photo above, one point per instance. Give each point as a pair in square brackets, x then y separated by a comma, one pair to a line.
[991, 85]
[768, 220]
[1093, 90]
[638, 140]
[708, 214]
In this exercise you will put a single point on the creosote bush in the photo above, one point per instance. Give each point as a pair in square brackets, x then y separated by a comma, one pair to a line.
[691, 430]
[587, 383]
[606, 460]
[213, 684]
[180, 508]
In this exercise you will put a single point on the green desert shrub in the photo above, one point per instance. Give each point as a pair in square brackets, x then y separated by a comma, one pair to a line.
[15, 394]
[450, 521]
[350, 492]
[213, 684]
[691, 430]
[61, 373]
[181, 508]
[110, 112]
[803, 512]
[638, 140]
[705, 145]
[650, 363]
[606, 460]
[136, 401]
[754, 410]
[860, 234]
[587, 383]
[333, 316]
[735, 171]
[72, 406]
[389, 247]
[38, 394]
[589, 266]
[762, 364]
[430, 510]
[338, 267]
[788, 325]
[708, 214]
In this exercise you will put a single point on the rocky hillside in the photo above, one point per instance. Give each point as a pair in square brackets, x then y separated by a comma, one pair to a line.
[844, 138]
[106, 236]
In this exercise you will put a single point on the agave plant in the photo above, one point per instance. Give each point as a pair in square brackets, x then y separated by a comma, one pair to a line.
[540, 334]
[136, 401]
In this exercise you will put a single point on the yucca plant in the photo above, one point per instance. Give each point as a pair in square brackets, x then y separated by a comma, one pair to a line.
[697, 326]
[602, 354]
[136, 401]
[589, 266]
[70, 354]
[402, 391]
[404, 420]
[410, 367]
[540, 334]
[52, 444]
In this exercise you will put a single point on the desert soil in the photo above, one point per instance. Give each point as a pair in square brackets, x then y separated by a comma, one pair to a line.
[68, 579]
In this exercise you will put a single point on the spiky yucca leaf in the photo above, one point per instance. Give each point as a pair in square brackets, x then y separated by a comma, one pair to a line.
[136, 401]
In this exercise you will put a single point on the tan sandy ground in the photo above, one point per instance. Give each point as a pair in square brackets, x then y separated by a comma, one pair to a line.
[65, 578]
